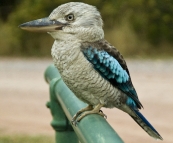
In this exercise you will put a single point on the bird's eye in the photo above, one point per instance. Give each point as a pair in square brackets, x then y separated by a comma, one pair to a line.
[70, 17]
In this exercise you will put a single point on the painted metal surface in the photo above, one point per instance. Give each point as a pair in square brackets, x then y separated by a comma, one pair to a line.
[64, 104]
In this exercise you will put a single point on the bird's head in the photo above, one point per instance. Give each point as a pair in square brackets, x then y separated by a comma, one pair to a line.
[74, 20]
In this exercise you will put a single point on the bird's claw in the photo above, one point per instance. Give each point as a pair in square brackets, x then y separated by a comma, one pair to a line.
[102, 114]
[74, 119]
[86, 111]
[77, 117]
[74, 122]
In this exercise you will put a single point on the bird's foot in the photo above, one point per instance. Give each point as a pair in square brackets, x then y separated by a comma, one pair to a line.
[74, 121]
[91, 112]
[79, 115]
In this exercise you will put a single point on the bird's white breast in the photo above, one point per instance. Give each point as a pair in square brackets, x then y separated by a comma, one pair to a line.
[81, 77]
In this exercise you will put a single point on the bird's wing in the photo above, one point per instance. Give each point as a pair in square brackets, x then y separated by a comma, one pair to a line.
[110, 64]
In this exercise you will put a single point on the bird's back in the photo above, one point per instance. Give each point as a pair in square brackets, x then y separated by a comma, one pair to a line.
[80, 76]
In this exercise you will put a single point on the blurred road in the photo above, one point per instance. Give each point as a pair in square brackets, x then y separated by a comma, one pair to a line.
[24, 93]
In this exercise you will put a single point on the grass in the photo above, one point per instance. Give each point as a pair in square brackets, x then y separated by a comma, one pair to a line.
[26, 139]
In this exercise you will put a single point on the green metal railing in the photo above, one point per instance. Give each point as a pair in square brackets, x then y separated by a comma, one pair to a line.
[63, 105]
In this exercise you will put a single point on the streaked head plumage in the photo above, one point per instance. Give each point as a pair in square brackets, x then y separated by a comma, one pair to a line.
[82, 21]
[70, 21]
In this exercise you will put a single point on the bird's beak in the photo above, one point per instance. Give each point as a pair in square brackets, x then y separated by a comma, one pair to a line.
[42, 25]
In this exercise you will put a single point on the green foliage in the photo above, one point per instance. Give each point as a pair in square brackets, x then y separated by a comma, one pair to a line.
[153, 20]
[144, 22]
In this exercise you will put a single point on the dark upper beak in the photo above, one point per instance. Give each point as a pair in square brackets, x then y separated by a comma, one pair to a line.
[42, 25]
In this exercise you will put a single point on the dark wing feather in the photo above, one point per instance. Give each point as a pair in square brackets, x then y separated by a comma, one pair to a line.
[110, 64]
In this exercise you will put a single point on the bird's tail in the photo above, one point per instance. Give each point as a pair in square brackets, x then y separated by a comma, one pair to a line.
[142, 121]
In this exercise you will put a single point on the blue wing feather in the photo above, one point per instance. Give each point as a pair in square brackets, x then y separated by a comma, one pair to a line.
[111, 70]
[106, 63]
[111, 66]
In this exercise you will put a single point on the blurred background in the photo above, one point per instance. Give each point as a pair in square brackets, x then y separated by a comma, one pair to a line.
[142, 30]
[138, 28]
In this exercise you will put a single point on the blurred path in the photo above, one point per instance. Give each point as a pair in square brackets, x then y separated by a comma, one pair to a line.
[24, 93]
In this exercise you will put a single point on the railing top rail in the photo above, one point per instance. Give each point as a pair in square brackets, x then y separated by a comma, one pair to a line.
[92, 128]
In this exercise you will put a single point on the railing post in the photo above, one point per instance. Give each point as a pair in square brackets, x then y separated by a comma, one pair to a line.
[60, 123]
[91, 129]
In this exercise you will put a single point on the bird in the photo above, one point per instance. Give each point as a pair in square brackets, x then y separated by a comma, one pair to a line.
[91, 67]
